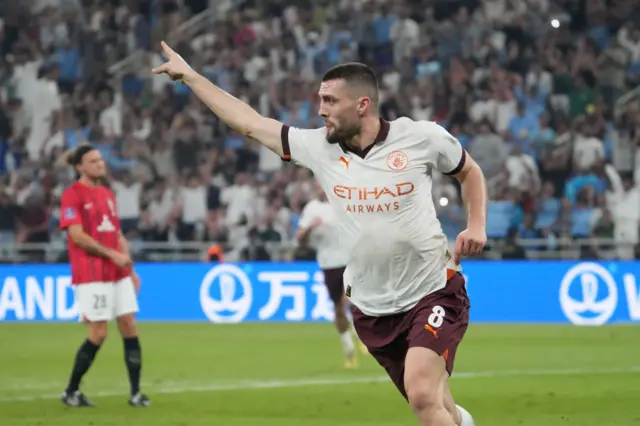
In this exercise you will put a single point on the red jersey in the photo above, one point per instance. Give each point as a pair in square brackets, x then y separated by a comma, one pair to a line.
[93, 207]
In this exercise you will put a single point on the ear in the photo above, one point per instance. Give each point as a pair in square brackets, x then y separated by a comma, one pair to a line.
[363, 104]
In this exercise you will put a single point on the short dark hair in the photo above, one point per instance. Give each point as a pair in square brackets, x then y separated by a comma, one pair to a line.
[355, 73]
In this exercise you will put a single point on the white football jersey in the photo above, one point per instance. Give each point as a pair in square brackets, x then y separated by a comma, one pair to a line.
[397, 252]
[325, 239]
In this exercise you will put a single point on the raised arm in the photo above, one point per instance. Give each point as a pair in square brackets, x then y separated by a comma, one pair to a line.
[235, 113]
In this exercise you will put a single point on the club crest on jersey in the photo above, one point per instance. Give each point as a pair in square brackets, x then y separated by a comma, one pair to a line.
[397, 160]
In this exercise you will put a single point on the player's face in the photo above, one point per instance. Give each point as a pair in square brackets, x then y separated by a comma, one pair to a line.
[93, 166]
[341, 112]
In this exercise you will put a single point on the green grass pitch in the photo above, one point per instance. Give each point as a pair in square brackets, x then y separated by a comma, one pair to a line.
[292, 375]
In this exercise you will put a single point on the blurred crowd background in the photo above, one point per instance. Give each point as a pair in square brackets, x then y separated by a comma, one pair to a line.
[541, 93]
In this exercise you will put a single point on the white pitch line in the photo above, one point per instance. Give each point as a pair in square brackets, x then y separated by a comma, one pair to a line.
[29, 385]
[276, 384]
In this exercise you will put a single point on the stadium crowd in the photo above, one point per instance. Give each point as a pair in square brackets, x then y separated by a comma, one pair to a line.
[534, 89]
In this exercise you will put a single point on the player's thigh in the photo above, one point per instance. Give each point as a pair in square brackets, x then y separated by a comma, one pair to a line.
[393, 362]
[385, 339]
[425, 375]
[440, 321]
[95, 301]
[126, 307]
[126, 299]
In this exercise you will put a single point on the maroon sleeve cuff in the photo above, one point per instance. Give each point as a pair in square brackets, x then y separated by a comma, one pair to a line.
[286, 149]
[460, 165]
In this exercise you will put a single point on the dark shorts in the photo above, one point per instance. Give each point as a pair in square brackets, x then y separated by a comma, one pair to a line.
[334, 280]
[438, 322]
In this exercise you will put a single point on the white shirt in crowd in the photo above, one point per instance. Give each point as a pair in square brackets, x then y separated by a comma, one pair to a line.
[384, 209]
[494, 10]
[632, 46]
[111, 118]
[194, 204]
[128, 199]
[626, 215]
[523, 172]
[544, 81]
[41, 97]
[162, 209]
[499, 113]
[405, 34]
[240, 200]
[587, 151]
[325, 238]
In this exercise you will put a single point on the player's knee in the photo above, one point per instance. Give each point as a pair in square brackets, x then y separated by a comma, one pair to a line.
[127, 325]
[423, 396]
[98, 332]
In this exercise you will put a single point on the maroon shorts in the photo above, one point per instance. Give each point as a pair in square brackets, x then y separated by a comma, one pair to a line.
[333, 279]
[438, 322]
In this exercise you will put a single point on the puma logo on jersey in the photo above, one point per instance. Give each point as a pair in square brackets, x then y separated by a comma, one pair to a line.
[345, 162]
[106, 225]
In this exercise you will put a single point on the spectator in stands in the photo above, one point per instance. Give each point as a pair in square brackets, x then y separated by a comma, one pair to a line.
[9, 212]
[269, 231]
[530, 102]
[504, 215]
[602, 228]
[588, 149]
[193, 205]
[549, 209]
[68, 58]
[582, 216]
[162, 211]
[522, 171]
[128, 199]
[625, 218]
[612, 71]
[452, 214]
[33, 227]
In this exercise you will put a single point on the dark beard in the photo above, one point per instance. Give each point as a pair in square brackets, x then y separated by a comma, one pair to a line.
[333, 138]
[344, 136]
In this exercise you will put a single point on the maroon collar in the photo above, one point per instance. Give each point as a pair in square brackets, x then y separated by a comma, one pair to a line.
[380, 137]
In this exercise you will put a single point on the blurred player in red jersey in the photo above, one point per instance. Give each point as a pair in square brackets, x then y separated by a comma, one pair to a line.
[102, 272]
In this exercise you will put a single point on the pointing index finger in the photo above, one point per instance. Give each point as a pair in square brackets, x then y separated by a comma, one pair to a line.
[169, 51]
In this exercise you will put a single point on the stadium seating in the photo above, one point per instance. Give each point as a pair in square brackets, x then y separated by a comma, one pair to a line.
[540, 93]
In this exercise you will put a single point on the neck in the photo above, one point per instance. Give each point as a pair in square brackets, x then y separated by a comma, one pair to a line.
[368, 133]
[85, 180]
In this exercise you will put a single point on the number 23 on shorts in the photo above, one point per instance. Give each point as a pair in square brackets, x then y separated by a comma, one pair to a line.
[99, 302]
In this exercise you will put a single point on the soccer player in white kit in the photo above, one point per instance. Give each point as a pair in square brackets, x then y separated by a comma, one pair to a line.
[318, 228]
[410, 305]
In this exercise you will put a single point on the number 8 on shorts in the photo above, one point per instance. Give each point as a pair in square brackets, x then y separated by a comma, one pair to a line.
[436, 318]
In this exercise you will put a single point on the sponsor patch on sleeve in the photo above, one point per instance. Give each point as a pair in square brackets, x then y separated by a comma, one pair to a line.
[69, 213]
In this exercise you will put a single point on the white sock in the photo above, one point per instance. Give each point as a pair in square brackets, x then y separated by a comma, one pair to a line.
[347, 343]
[467, 420]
